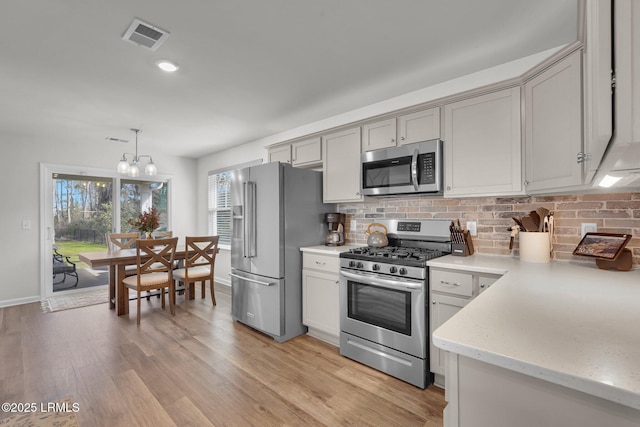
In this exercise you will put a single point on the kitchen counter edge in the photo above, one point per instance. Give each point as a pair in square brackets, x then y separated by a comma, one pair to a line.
[483, 331]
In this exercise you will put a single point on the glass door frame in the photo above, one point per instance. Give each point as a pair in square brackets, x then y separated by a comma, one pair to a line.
[46, 217]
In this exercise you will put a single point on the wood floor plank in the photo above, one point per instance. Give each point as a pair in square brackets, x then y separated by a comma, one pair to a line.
[198, 367]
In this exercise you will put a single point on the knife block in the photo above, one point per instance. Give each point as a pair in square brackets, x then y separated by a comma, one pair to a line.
[463, 249]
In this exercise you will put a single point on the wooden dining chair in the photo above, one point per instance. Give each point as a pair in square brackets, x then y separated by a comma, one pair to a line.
[117, 241]
[154, 270]
[198, 265]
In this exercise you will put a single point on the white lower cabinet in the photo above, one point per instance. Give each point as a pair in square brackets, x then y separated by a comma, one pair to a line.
[450, 291]
[320, 296]
[442, 308]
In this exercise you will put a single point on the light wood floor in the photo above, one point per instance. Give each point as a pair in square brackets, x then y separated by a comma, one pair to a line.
[198, 368]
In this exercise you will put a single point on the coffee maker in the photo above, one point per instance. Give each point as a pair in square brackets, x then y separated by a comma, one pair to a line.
[335, 233]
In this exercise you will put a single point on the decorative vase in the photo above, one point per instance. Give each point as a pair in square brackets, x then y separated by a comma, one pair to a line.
[148, 235]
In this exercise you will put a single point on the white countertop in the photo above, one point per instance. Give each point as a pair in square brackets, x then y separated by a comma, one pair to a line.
[329, 250]
[567, 323]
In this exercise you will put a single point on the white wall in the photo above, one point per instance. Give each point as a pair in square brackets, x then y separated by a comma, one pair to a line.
[20, 200]
[256, 149]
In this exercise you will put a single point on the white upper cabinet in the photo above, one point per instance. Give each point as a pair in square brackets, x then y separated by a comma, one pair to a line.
[379, 135]
[280, 154]
[413, 127]
[553, 126]
[482, 145]
[341, 166]
[598, 99]
[628, 71]
[419, 126]
[307, 152]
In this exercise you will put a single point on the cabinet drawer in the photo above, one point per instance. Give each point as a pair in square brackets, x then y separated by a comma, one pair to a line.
[321, 262]
[452, 282]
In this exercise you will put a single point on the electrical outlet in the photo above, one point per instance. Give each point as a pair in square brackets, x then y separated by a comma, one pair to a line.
[471, 226]
[353, 225]
[589, 227]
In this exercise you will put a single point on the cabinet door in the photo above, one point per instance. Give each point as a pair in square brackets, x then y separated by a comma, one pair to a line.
[482, 145]
[419, 126]
[307, 152]
[553, 126]
[341, 167]
[443, 307]
[598, 100]
[379, 135]
[485, 281]
[280, 154]
[320, 301]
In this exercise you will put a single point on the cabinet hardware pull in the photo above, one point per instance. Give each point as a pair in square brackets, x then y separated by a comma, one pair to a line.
[321, 263]
[449, 283]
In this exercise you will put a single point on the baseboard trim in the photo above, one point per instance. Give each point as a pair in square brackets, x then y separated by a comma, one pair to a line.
[19, 301]
[225, 282]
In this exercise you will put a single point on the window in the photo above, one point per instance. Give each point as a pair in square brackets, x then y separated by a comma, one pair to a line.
[220, 206]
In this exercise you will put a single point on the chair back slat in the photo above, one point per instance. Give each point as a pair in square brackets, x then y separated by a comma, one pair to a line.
[117, 241]
[161, 253]
[204, 250]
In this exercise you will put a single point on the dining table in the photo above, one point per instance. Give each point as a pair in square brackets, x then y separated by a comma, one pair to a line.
[117, 261]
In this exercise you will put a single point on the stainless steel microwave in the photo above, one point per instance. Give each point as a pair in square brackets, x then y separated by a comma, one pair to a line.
[411, 168]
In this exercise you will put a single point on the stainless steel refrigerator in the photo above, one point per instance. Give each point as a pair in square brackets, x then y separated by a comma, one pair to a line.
[276, 209]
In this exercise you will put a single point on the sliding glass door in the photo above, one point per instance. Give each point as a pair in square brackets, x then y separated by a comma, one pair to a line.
[82, 215]
[78, 207]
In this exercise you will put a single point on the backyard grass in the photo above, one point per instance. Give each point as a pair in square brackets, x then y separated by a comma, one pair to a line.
[71, 248]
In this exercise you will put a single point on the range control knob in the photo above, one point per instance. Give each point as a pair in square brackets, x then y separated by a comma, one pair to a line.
[403, 271]
[359, 265]
[375, 267]
[393, 270]
[352, 264]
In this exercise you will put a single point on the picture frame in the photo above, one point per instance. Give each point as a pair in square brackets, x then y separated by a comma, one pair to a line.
[602, 245]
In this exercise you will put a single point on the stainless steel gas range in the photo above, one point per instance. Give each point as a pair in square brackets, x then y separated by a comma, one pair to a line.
[384, 293]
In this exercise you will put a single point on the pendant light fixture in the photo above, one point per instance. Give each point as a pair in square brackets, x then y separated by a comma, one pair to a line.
[131, 168]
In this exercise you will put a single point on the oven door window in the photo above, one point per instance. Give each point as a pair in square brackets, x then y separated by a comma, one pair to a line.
[387, 308]
[387, 173]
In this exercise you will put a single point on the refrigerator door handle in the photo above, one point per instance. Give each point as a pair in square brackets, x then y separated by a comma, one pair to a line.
[249, 240]
[259, 282]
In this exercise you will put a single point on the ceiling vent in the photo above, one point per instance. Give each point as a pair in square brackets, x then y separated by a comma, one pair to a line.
[145, 35]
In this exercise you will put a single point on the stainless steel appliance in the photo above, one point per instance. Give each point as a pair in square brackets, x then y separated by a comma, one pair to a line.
[335, 232]
[384, 293]
[411, 168]
[276, 209]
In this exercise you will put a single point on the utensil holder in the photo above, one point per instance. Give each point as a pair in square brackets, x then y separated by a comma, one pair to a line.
[534, 247]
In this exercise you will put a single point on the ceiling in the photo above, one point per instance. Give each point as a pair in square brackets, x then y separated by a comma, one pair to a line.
[249, 68]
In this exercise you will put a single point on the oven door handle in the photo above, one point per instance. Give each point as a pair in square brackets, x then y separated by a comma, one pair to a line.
[385, 283]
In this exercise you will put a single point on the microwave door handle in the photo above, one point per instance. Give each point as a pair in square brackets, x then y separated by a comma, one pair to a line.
[414, 169]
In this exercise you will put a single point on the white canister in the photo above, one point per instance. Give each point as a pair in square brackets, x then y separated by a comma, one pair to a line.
[534, 246]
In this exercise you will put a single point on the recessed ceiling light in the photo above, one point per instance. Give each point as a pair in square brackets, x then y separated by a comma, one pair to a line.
[167, 66]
